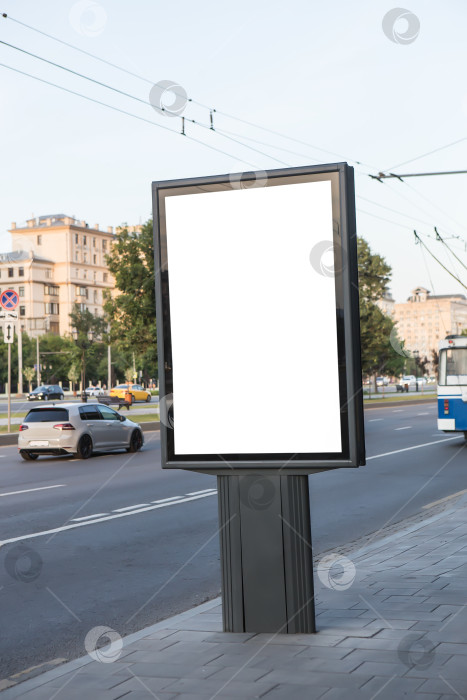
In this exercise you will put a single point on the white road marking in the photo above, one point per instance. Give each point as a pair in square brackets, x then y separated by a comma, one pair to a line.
[63, 528]
[87, 517]
[423, 414]
[406, 427]
[374, 420]
[138, 505]
[166, 500]
[398, 410]
[446, 498]
[406, 449]
[40, 488]
[196, 493]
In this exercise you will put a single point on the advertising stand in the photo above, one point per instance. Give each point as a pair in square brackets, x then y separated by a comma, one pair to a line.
[259, 365]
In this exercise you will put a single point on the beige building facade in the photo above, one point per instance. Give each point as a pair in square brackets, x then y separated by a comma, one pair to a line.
[425, 319]
[57, 261]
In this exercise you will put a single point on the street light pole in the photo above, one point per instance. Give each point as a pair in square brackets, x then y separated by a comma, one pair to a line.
[416, 355]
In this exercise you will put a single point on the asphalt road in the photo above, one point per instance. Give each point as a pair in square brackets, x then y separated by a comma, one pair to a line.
[138, 560]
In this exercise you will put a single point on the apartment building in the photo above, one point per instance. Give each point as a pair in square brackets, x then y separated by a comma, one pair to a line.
[425, 319]
[57, 261]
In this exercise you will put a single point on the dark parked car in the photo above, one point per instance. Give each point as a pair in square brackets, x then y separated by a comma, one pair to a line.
[46, 392]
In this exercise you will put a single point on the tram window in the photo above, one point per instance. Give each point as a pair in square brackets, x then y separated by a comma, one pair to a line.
[453, 366]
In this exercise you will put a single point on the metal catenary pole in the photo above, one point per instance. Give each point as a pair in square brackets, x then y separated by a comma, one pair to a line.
[9, 387]
[20, 359]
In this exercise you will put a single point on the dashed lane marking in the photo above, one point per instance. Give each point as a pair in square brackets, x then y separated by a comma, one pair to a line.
[414, 447]
[138, 505]
[40, 488]
[106, 518]
[406, 427]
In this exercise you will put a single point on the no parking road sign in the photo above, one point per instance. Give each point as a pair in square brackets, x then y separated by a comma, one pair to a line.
[9, 299]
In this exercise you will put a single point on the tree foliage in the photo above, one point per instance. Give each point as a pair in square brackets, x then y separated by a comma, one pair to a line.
[132, 310]
[378, 353]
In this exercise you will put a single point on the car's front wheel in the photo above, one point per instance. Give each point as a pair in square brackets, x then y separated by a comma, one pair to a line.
[84, 449]
[148, 398]
[28, 456]
[136, 441]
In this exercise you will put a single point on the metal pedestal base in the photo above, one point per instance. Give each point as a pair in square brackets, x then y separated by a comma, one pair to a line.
[266, 557]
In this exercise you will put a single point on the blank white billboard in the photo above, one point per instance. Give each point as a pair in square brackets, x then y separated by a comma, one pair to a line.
[253, 324]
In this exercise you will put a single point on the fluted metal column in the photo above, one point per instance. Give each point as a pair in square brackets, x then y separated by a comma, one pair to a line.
[266, 556]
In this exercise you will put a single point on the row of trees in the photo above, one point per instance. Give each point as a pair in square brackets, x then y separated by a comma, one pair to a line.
[129, 324]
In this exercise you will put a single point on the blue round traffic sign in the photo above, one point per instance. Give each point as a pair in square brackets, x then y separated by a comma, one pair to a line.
[9, 299]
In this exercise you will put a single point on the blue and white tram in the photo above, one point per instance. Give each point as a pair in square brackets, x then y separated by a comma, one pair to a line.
[452, 384]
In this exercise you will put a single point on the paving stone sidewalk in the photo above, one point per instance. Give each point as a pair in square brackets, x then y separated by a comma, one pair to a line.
[392, 621]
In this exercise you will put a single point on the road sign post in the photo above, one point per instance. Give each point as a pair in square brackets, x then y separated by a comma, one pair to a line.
[255, 272]
[9, 300]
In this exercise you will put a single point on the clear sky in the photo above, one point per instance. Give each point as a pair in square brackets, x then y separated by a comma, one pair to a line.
[324, 74]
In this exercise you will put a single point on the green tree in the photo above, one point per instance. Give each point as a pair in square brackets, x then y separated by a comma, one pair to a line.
[29, 373]
[377, 328]
[73, 376]
[132, 311]
[89, 335]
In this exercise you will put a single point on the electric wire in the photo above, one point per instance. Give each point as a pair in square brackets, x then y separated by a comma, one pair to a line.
[423, 155]
[211, 109]
[122, 111]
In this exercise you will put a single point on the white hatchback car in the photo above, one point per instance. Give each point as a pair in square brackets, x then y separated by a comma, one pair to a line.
[76, 428]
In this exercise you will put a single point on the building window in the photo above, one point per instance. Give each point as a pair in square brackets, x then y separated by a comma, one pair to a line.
[51, 308]
[93, 242]
[10, 272]
[85, 274]
[21, 292]
[94, 257]
[76, 257]
[48, 273]
[95, 296]
[21, 271]
[22, 311]
[85, 258]
[104, 245]
[84, 240]
[52, 289]
[76, 238]
[105, 276]
[82, 307]
[39, 240]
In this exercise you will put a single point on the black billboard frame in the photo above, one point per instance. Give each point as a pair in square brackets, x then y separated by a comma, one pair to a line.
[341, 176]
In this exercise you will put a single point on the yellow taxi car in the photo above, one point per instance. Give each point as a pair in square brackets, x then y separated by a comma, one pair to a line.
[137, 392]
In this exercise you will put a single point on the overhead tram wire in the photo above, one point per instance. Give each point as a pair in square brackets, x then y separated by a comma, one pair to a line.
[440, 238]
[221, 132]
[129, 114]
[433, 288]
[422, 243]
[414, 204]
[211, 109]
[134, 97]
[423, 155]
